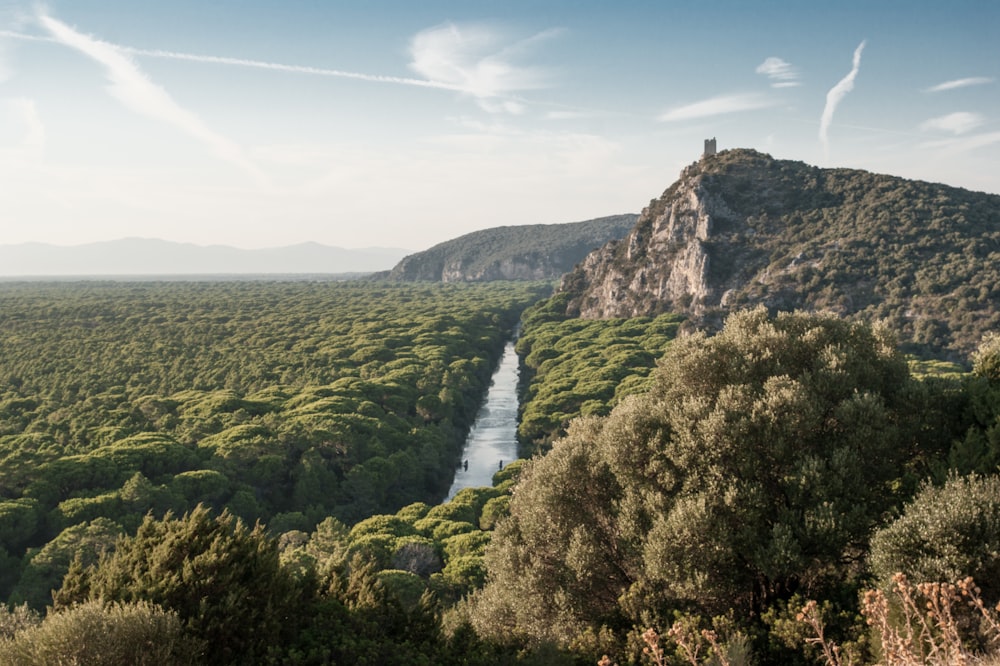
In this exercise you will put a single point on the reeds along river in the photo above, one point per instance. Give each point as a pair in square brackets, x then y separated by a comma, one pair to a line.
[492, 441]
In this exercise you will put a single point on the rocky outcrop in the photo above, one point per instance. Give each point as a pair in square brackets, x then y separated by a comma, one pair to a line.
[666, 262]
[529, 252]
[740, 228]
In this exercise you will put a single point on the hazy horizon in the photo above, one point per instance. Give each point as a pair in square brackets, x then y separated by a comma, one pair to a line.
[391, 124]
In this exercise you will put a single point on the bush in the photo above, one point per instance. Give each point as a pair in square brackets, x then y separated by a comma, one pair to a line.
[123, 634]
[945, 534]
[222, 579]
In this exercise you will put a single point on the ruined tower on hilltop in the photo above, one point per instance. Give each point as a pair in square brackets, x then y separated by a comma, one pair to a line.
[709, 147]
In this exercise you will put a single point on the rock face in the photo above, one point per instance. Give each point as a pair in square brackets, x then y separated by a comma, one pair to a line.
[741, 228]
[530, 252]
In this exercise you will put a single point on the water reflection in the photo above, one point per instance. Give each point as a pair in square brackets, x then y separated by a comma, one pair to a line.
[492, 441]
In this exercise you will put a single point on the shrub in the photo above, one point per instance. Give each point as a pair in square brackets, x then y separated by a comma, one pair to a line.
[93, 633]
[945, 534]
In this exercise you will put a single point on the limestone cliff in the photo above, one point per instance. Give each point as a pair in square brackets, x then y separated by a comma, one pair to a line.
[529, 252]
[740, 228]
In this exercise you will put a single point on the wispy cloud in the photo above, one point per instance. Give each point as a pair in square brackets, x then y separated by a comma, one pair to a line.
[835, 95]
[254, 64]
[130, 86]
[960, 122]
[22, 127]
[960, 83]
[781, 73]
[717, 106]
[479, 61]
[964, 144]
[294, 69]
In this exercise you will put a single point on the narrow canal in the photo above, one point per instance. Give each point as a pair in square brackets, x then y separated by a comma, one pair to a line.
[493, 438]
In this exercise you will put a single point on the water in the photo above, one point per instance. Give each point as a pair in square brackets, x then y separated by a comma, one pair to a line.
[493, 437]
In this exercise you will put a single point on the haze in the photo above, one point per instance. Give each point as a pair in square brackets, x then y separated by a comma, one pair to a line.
[399, 124]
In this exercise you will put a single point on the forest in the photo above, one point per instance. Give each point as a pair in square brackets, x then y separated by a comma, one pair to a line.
[252, 472]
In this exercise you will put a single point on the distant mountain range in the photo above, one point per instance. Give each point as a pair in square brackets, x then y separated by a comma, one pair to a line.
[524, 252]
[144, 256]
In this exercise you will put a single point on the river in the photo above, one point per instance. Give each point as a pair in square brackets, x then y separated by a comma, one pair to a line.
[493, 437]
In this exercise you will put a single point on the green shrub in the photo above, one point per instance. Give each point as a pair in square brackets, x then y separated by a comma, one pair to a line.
[945, 534]
[117, 634]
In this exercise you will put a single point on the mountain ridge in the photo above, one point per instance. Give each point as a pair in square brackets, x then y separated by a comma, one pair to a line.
[151, 256]
[740, 228]
[513, 252]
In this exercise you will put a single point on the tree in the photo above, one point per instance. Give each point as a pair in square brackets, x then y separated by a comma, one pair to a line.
[117, 634]
[223, 580]
[755, 468]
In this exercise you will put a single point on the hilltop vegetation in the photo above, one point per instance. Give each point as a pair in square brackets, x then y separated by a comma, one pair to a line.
[741, 228]
[526, 252]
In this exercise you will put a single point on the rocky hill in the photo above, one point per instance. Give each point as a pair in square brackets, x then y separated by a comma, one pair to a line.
[528, 252]
[740, 228]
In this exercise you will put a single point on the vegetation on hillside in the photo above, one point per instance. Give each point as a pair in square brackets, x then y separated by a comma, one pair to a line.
[923, 256]
[532, 252]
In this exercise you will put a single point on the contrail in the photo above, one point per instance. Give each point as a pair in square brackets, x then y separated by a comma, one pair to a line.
[835, 95]
[298, 69]
[256, 64]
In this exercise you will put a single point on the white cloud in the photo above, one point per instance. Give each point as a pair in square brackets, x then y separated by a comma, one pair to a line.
[476, 60]
[781, 73]
[959, 83]
[835, 95]
[964, 144]
[130, 86]
[716, 106]
[959, 122]
[23, 132]
[566, 115]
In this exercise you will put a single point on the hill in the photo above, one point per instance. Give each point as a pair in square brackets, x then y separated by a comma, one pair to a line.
[146, 256]
[741, 228]
[527, 252]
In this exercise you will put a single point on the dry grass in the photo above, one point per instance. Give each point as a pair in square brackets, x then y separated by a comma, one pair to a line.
[924, 624]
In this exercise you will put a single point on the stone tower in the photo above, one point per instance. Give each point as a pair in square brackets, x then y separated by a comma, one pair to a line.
[709, 147]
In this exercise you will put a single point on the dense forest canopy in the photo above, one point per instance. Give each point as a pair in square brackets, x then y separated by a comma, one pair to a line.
[688, 493]
[282, 402]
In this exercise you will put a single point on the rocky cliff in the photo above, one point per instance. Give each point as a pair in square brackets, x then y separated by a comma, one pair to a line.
[740, 228]
[529, 252]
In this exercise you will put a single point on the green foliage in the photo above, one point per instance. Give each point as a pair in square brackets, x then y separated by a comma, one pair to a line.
[116, 634]
[945, 534]
[44, 569]
[757, 466]
[986, 359]
[223, 581]
[978, 449]
[576, 367]
[284, 402]
[16, 619]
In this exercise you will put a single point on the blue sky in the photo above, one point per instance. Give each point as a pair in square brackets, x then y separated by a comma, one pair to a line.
[404, 124]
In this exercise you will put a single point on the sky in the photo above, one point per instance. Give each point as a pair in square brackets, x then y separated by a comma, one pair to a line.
[404, 124]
